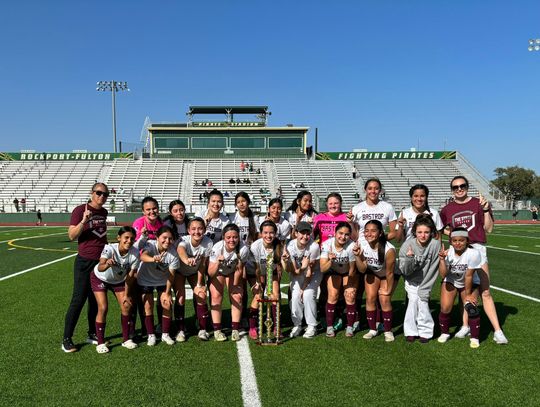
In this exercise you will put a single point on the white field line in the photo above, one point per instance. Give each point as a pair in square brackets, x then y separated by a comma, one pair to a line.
[250, 391]
[525, 237]
[514, 293]
[513, 250]
[37, 267]
[34, 237]
[23, 230]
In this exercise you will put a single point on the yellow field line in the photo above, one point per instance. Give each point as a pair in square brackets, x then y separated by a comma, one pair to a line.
[10, 243]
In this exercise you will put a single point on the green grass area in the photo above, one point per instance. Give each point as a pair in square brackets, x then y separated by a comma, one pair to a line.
[318, 372]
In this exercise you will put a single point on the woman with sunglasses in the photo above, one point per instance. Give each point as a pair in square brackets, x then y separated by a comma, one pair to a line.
[88, 225]
[475, 215]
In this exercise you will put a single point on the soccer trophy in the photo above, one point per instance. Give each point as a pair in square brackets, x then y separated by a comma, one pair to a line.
[272, 336]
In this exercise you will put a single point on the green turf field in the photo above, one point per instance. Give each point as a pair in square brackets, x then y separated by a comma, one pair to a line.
[301, 372]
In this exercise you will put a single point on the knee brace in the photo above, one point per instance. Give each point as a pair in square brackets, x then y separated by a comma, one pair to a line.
[472, 310]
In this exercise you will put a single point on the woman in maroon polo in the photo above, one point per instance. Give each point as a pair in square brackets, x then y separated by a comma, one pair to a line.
[88, 225]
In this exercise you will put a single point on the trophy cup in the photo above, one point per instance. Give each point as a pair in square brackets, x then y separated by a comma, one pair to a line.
[272, 337]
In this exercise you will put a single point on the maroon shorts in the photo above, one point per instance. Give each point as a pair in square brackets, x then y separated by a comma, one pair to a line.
[100, 286]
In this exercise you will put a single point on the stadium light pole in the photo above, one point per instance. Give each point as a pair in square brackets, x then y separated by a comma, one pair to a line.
[113, 87]
[534, 44]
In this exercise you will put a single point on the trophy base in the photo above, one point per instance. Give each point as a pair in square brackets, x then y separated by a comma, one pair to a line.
[271, 338]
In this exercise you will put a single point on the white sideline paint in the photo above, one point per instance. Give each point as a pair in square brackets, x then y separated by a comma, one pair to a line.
[250, 391]
[33, 237]
[514, 293]
[37, 267]
[524, 237]
[513, 250]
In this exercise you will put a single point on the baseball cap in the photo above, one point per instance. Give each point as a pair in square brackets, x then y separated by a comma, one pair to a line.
[303, 227]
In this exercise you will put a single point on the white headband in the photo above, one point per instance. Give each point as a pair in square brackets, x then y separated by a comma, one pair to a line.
[459, 233]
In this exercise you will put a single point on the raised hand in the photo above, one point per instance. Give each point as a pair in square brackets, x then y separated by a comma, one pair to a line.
[483, 202]
[442, 252]
[331, 255]
[87, 214]
[357, 249]
[350, 216]
[410, 252]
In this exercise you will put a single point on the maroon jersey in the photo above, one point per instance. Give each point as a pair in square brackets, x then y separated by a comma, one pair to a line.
[93, 238]
[468, 215]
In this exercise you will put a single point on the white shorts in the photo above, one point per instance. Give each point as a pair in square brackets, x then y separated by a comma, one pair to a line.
[483, 252]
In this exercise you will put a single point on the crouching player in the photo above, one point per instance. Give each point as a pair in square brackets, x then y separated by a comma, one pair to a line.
[160, 262]
[118, 264]
[457, 266]
[419, 263]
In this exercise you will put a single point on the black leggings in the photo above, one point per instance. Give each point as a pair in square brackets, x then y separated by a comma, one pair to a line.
[81, 292]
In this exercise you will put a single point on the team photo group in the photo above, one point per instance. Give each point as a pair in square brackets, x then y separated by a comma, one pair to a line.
[336, 263]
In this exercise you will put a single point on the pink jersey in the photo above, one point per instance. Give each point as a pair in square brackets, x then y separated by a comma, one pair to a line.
[151, 228]
[324, 225]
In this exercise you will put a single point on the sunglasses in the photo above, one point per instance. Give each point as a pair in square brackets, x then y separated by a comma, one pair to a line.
[100, 193]
[460, 186]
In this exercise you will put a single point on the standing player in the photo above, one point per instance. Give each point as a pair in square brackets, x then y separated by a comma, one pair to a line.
[193, 251]
[324, 224]
[301, 209]
[457, 266]
[215, 220]
[301, 260]
[378, 264]
[419, 204]
[339, 257]
[419, 264]
[159, 262]
[226, 267]
[267, 247]
[148, 224]
[118, 263]
[177, 220]
[275, 208]
[88, 225]
[475, 215]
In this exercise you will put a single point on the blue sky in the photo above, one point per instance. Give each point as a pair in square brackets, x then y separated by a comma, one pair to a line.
[381, 75]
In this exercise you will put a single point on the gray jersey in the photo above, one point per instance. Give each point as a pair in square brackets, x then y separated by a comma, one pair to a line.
[157, 274]
[421, 269]
[124, 264]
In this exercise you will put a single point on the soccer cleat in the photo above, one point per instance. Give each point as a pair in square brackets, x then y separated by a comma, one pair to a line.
[203, 335]
[423, 340]
[498, 337]
[356, 326]
[219, 336]
[389, 337]
[330, 332]
[349, 332]
[129, 344]
[372, 333]
[311, 331]
[338, 325]
[180, 336]
[68, 346]
[235, 335]
[92, 339]
[151, 341]
[167, 339]
[253, 333]
[443, 338]
[102, 348]
[296, 331]
[410, 338]
[475, 343]
[463, 332]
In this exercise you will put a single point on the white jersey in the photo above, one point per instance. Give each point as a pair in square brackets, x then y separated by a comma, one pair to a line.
[214, 229]
[243, 224]
[124, 264]
[231, 259]
[260, 253]
[374, 264]
[363, 213]
[283, 227]
[157, 274]
[297, 255]
[292, 218]
[199, 253]
[458, 266]
[409, 214]
[344, 256]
